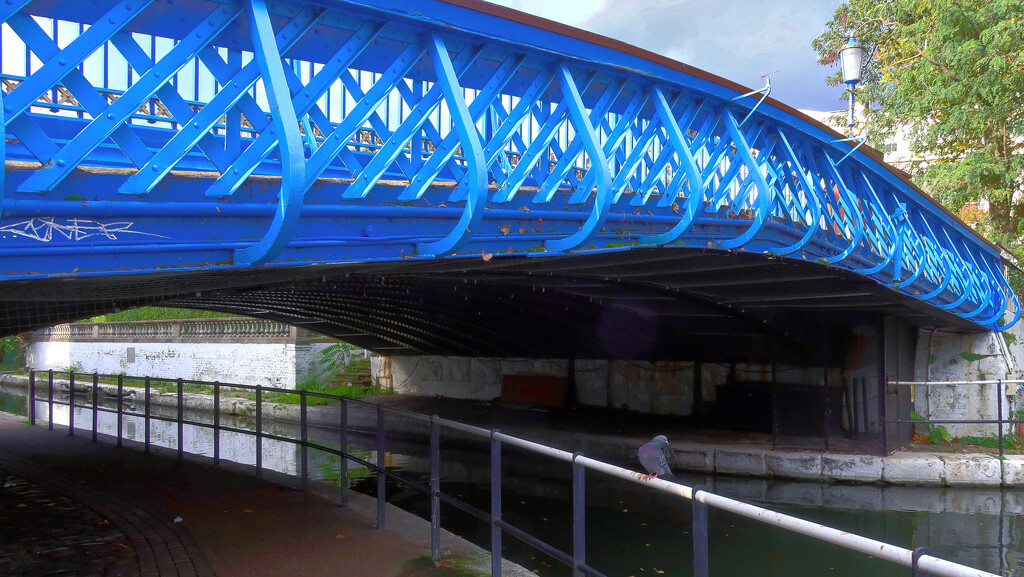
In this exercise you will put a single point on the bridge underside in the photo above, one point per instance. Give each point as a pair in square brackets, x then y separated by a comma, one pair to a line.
[658, 303]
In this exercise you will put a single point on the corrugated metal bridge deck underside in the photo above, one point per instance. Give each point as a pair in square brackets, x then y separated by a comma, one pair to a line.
[657, 303]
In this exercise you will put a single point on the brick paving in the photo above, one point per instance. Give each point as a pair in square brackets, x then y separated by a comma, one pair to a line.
[161, 547]
[232, 524]
[43, 532]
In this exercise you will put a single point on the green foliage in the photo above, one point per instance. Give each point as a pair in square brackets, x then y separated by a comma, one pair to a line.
[932, 359]
[971, 357]
[337, 358]
[1011, 442]
[155, 314]
[952, 72]
[937, 434]
[1010, 338]
[11, 356]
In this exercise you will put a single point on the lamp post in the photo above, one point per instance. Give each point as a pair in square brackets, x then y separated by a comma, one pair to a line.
[851, 57]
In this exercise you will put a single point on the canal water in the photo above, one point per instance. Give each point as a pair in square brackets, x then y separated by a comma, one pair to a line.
[631, 531]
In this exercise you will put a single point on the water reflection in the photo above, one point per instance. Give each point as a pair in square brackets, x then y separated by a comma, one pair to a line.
[630, 530]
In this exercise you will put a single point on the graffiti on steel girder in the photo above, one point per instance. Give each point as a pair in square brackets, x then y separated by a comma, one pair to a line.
[74, 229]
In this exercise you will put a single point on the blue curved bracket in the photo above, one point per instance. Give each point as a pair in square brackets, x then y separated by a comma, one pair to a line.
[962, 272]
[885, 220]
[982, 302]
[472, 148]
[765, 192]
[921, 260]
[947, 268]
[997, 309]
[1013, 297]
[599, 163]
[812, 198]
[934, 250]
[293, 161]
[692, 171]
[850, 204]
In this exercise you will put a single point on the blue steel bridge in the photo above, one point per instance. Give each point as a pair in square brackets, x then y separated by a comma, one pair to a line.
[448, 177]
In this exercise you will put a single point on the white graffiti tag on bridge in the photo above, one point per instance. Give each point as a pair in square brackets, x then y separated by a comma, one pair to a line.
[47, 228]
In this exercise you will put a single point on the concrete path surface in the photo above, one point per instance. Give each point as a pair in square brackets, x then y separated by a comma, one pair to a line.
[231, 523]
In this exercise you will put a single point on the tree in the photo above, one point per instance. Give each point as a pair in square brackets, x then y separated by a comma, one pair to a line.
[950, 72]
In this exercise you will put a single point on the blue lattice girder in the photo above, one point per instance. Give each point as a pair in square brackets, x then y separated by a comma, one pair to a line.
[244, 133]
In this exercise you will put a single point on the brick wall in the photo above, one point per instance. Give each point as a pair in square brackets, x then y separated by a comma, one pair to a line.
[245, 351]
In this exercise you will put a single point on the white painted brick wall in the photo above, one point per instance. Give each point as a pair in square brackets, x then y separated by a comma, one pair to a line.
[269, 364]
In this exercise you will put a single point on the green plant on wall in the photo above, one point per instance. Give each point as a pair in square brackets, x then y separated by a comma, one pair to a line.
[937, 434]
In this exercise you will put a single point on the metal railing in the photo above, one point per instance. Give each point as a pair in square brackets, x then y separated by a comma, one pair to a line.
[1000, 422]
[919, 559]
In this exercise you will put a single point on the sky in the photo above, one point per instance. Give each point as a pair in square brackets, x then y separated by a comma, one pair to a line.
[736, 39]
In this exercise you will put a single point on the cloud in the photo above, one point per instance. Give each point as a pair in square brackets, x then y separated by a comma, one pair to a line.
[736, 39]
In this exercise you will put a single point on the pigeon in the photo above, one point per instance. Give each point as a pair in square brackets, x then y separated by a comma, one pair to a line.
[652, 457]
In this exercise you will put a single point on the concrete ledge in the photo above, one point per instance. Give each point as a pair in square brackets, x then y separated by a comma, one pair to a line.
[740, 462]
[912, 468]
[861, 468]
[793, 465]
[693, 458]
[1013, 472]
[972, 470]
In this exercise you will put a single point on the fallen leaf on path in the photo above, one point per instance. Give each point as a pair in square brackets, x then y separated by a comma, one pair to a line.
[443, 565]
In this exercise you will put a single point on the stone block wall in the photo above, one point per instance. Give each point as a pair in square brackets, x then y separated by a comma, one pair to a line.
[945, 356]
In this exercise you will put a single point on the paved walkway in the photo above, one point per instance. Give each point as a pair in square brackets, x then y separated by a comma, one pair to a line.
[229, 523]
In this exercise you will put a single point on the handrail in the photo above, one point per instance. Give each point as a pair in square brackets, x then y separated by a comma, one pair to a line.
[918, 559]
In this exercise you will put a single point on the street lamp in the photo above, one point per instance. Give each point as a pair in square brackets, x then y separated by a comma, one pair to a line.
[851, 57]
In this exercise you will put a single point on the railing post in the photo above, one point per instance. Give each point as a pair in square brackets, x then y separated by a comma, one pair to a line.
[32, 398]
[95, 403]
[304, 451]
[216, 423]
[700, 534]
[999, 413]
[49, 414]
[120, 409]
[435, 489]
[579, 516]
[71, 404]
[344, 452]
[259, 431]
[381, 466]
[915, 558]
[147, 411]
[495, 504]
[181, 419]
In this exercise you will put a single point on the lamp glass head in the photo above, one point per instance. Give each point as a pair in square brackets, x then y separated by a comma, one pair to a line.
[851, 57]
